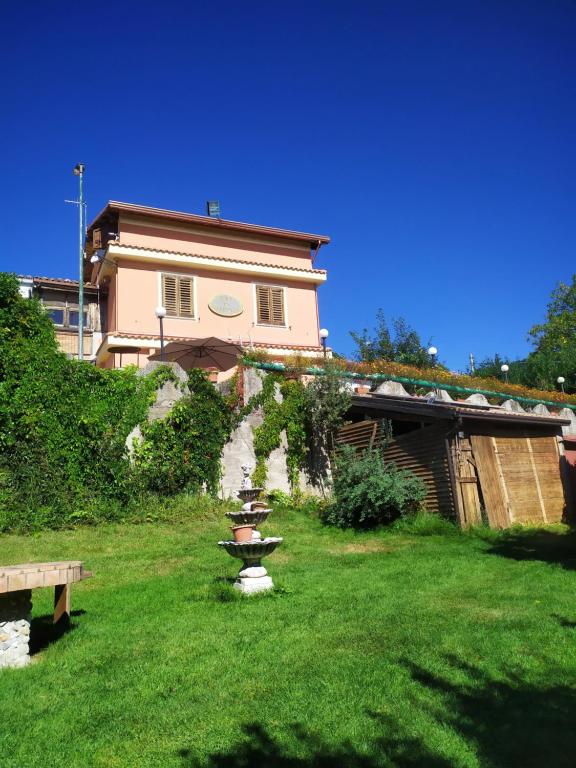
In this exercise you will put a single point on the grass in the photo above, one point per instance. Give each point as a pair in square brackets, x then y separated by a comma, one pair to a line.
[417, 646]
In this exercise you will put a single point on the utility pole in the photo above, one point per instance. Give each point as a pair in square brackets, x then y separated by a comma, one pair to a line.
[79, 171]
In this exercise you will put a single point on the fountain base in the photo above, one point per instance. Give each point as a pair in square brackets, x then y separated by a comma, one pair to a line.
[251, 585]
[252, 579]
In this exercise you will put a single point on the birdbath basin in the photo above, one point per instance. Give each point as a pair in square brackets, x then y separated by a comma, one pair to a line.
[249, 517]
[249, 494]
[253, 577]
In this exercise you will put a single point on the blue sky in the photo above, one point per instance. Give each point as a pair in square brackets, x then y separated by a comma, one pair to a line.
[434, 141]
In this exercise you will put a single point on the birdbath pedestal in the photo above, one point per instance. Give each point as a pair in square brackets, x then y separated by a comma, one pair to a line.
[253, 577]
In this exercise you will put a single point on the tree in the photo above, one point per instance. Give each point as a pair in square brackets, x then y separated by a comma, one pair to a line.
[559, 329]
[400, 344]
[554, 342]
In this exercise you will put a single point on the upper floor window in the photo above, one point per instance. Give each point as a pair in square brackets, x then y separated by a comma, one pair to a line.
[270, 305]
[65, 316]
[178, 295]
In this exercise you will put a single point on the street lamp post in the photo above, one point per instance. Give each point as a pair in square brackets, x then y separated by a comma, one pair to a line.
[433, 352]
[561, 381]
[323, 336]
[505, 368]
[161, 314]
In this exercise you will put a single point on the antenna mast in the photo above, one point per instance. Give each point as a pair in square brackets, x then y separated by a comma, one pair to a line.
[79, 171]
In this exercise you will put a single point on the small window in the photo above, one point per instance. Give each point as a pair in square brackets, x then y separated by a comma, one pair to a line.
[73, 318]
[178, 295]
[56, 315]
[270, 305]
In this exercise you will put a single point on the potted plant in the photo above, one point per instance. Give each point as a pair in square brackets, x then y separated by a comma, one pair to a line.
[242, 532]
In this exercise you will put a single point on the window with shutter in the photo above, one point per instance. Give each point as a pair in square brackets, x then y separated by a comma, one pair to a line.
[270, 305]
[178, 295]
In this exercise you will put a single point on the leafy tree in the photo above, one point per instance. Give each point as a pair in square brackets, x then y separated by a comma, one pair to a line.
[554, 343]
[559, 329]
[400, 343]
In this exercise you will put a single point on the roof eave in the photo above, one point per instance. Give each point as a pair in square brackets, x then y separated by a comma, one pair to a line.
[115, 207]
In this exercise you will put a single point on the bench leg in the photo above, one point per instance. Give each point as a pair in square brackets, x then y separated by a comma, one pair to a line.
[61, 602]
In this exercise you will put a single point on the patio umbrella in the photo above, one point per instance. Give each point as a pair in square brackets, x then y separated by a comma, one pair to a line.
[201, 353]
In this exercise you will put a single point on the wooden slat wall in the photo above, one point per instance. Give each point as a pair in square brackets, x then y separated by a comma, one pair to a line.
[422, 452]
[362, 435]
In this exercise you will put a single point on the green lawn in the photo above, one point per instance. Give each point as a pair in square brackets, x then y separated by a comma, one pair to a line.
[380, 649]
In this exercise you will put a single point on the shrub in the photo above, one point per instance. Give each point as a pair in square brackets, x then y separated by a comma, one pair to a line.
[368, 492]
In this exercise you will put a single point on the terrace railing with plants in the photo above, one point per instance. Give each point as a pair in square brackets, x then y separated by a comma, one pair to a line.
[417, 378]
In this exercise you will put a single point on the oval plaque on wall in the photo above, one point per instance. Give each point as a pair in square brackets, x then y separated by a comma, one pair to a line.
[226, 306]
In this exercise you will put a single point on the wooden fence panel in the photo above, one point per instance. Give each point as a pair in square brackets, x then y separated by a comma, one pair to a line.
[489, 474]
[520, 478]
[467, 483]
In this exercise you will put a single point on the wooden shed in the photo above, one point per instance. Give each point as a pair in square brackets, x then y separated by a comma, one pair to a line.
[479, 462]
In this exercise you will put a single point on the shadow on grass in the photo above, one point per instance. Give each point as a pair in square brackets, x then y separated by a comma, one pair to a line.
[508, 721]
[503, 722]
[44, 633]
[259, 749]
[546, 546]
[564, 622]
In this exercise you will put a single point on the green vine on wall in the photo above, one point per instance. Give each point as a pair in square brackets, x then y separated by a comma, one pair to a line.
[289, 416]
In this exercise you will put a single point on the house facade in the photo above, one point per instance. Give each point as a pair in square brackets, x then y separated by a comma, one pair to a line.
[250, 285]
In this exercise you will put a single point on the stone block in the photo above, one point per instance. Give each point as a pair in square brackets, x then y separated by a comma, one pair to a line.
[477, 399]
[391, 388]
[513, 406]
[252, 383]
[252, 585]
[568, 413]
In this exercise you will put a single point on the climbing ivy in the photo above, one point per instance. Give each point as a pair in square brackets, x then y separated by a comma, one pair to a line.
[182, 451]
[285, 414]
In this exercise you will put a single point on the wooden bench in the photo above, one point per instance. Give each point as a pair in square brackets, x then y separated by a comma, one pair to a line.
[61, 576]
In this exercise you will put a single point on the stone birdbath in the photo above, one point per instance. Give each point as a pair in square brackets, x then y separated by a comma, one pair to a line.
[253, 577]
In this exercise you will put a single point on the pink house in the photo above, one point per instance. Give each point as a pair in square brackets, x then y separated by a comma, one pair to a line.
[247, 284]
